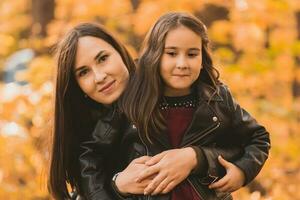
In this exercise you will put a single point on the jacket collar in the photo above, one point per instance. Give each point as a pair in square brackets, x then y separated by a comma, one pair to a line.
[104, 113]
[207, 92]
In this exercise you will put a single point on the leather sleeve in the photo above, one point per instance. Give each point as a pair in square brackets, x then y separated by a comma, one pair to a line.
[252, 136]
[208, 168]
[95, 152]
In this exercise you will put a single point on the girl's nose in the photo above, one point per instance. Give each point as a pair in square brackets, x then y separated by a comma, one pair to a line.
[181, 63]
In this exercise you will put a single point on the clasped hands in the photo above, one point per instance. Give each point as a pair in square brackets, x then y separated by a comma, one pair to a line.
[157, 174]
[161, 173]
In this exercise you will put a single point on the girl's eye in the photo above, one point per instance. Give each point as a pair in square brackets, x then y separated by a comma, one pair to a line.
[171, 53]
[192, 54]
[83, 72]
[102, 58]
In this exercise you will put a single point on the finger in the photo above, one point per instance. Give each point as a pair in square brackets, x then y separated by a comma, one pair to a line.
[148, 172]
[169, 187]
[219, 183]
[144, 184]
[233, 188]
[155, 159]
[154, 183]
[163, 184]
[141, 160]
[138, 188]
[224, 162]
[225, 188]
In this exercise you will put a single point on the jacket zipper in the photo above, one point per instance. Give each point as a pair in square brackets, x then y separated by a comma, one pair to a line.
[147, 153]
[198, 193]
[197, 139]
[203, 135]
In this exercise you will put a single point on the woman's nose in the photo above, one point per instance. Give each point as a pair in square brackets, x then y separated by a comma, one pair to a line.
[99, 76]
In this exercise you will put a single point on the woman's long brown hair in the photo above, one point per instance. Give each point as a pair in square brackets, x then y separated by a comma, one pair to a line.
[72, 116]
[145, 91]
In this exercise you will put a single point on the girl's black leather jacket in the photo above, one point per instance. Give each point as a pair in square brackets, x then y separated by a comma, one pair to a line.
[219, 127]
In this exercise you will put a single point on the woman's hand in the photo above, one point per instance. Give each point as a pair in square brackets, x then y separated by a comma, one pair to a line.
[169, 168]
[125, 181]
[232, 181]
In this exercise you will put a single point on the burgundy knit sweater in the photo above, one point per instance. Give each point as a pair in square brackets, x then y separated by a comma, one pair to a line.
[179, 113]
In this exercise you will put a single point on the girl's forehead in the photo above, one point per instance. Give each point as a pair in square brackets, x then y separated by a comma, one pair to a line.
[182, 36]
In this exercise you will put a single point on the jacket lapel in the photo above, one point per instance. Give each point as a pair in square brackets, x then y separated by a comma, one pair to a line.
[205, 119]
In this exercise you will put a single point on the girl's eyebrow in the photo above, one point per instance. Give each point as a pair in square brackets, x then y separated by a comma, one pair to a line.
[193, 48]
[170, 47]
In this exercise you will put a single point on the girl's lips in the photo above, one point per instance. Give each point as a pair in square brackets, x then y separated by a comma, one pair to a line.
[180, 75]
[107, 87]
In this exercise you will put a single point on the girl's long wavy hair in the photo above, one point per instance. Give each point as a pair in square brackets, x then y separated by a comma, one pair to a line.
[72, 111]
[145, 90]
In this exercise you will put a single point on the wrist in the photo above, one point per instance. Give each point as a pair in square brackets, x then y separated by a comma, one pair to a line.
[120, 187]
[193, 157]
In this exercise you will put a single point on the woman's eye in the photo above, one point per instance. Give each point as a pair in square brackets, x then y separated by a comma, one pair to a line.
[103, 58]
[83, 72]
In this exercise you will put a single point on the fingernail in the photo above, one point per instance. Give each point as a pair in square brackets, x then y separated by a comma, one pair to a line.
[148, 163]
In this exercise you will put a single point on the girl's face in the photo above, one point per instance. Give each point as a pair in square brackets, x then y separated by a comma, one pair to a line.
[181, 61]
[100, 70]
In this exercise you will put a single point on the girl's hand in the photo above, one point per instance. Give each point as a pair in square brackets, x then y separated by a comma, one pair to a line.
[125, 181]
[170, 168]
[232, 181]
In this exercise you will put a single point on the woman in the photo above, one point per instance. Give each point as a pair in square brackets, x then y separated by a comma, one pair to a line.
[93, 70]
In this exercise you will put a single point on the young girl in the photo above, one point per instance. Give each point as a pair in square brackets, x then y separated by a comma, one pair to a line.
[177, 101]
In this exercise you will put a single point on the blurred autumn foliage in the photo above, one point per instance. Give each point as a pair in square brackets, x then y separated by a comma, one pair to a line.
[256, 47]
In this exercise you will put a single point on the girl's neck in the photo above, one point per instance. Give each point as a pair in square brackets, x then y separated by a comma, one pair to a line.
[177, 93]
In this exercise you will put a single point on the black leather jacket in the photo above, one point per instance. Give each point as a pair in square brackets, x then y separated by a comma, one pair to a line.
[219, 127]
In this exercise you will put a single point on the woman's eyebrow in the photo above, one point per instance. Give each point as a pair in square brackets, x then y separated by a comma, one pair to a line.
[79, 68]
[95, 58]
[99, 55]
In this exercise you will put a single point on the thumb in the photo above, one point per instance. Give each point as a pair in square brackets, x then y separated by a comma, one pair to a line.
[155, 159]
[224, 162]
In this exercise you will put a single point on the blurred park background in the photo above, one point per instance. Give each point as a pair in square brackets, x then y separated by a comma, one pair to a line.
[256, 47]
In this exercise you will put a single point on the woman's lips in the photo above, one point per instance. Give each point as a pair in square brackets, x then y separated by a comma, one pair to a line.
[106, 88]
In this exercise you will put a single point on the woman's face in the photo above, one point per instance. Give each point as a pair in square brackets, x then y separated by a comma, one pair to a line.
[181, 61]
[100, 70]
